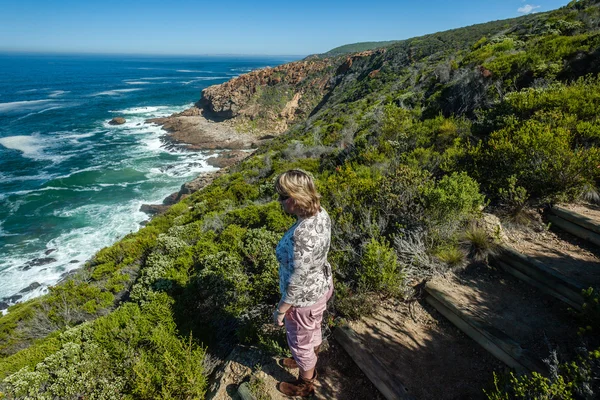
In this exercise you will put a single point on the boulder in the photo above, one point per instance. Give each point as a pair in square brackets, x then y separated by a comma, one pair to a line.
[36, 262]
[12, 299]
[49, 251]
[31, 287]
[117, 121]
[227, 158]
[153, 209]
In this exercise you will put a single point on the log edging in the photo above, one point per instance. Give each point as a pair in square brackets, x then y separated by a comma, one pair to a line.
[378, 374]
[499, 344]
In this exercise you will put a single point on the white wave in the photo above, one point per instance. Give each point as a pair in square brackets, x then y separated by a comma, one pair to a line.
[115, 92]
[28, 145]
[57, 93]
[112, 222]
[28, 91]
[35, 147]
[22, 105]
[137, 82]
[141, 110]
[77, 136]
[10, 178]
[192, 71]
[39, 112]
[3, 233]
[154, 78]
[204, 78]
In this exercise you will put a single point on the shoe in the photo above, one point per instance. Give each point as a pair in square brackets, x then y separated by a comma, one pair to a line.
[300, 387]
[290, 363]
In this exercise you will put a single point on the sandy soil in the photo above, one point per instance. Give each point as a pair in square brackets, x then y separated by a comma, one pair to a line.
[339, 377]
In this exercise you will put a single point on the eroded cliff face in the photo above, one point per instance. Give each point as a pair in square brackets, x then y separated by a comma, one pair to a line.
[269, 99]
[248, 109]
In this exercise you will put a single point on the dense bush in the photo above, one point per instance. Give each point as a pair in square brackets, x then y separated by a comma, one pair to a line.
[379, 269]
[406, 148]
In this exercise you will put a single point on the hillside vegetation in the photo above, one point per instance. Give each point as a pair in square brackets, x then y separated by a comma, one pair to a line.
[407, 145]
[356, 48]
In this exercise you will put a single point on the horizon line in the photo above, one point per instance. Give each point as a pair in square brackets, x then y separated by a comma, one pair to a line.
[133, 54]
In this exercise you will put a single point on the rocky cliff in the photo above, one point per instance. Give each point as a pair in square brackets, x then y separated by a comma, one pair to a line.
[269, 99]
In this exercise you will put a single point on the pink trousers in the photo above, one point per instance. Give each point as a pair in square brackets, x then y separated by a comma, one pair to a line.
[303, 331]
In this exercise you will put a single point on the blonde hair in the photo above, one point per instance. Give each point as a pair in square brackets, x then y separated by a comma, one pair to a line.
[300, 186]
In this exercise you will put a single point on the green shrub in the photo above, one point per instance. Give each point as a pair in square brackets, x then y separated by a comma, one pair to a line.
[574, 380]
[222, 284]
[543, 158]
[453, 256]
[379, 270]
[453, 198]
[75, 371]
[74, 302]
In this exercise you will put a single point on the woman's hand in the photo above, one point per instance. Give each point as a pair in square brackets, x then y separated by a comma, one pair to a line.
[278, 318]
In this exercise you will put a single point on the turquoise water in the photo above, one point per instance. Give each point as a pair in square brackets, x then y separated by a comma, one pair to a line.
[70, 183]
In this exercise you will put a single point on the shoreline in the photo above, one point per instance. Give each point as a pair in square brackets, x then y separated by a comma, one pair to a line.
[192, 130]
[188, 129]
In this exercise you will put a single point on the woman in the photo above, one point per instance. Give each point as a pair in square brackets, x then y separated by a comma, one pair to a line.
[305, 279]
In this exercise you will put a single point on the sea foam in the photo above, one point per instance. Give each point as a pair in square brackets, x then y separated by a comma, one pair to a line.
[28, 145]
[23, 105]
[115, 92]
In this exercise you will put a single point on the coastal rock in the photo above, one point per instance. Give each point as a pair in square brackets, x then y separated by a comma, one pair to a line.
[227, 158]
[31, 287]
[49, 251]
[3, 305]
[240, 97]
[12, 299]
[199, 133]
[153, 209]
[36, 262]
[117, 121]
[171, 199]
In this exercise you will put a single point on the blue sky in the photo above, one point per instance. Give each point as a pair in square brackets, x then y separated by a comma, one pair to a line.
[235, 27]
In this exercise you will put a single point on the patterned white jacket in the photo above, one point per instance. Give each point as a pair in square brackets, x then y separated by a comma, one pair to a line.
[304, 272]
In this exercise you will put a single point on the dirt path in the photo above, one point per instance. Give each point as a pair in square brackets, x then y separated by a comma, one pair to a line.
[339, 377]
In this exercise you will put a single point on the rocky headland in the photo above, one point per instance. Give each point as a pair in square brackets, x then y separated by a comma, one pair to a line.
[237, 116]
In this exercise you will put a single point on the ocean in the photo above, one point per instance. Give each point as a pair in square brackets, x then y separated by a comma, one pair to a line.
[70, 183]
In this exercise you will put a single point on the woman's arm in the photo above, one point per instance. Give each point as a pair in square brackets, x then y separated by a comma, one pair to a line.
[280, 311]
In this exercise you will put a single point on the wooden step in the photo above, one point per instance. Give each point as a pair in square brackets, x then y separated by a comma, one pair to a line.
[496, 342]
[374, 369]
[540, 276]
[410, 351]
[505, 316]
[576, 224]
[588, 221]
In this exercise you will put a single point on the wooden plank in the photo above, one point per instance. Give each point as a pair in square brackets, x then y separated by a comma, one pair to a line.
[384, 381]
[576, 218]
[575, 229]
[538, 270]
[536, 283]
[496, 342]
[244, 392]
